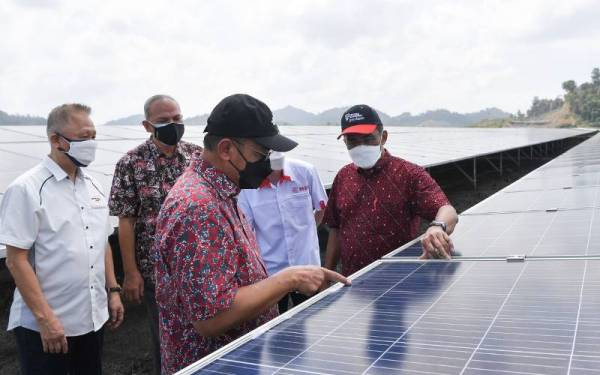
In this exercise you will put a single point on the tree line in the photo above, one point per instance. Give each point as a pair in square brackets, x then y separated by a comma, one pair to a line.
[584, 100]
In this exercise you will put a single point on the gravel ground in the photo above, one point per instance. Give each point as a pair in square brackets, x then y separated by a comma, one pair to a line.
[127, 350]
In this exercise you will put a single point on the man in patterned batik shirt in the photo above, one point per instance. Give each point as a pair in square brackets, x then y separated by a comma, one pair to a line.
[211, 282]
[142, 179]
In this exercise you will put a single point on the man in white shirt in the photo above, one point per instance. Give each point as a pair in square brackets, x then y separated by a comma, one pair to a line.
[55, 225]
[285, 212]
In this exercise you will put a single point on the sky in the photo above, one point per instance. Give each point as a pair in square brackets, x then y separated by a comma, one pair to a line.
[398, 56]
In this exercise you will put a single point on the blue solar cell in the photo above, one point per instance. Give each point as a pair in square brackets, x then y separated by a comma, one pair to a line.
[441, 318]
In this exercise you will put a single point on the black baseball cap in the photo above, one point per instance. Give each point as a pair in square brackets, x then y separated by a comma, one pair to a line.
[243, 116]
[360, 119]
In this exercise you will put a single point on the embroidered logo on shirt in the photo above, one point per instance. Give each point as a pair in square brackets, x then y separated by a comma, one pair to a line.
[299, 189]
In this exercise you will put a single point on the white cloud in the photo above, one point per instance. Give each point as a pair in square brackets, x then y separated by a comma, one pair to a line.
[396, 55]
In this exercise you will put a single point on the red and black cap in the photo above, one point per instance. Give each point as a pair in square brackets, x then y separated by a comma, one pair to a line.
[243, 116]
[360, 119]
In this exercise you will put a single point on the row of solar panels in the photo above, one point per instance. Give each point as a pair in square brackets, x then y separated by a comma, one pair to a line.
[523, 297]
[22, 147]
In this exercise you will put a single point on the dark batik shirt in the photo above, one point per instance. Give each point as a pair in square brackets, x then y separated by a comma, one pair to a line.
[379, 209]
[205, 251]
[142, 180]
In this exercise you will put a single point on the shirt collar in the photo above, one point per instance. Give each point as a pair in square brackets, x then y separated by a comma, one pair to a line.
[383, 161]
[266, 184]
[155, 151]
[216, 178]
[59, 173]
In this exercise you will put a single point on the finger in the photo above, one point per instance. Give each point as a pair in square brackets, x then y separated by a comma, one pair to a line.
[141, 293]
[437, 245]
[45, 346]
[64, 345]
[54, 347]
[141, 289]
[334, 276]
[442, 240]
[426, 250]
[431, 247]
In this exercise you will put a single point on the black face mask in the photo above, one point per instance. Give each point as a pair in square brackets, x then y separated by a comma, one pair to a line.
[255, 172]
[169, 134]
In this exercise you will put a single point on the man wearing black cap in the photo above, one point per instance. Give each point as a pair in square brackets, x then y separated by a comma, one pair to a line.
[212, 285]
[377, 202]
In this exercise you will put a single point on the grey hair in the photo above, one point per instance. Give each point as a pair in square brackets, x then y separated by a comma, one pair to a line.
[59, 116]
[155, 98]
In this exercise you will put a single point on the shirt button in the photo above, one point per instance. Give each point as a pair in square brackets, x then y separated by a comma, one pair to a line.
[92, 267]
[91, 247]
[92, 287]
[82, 207]
[86, 227]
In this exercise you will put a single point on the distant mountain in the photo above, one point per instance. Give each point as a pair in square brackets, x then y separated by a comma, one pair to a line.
[196, 120]
[295, 116]
[443, 117]
[6, 119]
[129, 120]
[137, 119]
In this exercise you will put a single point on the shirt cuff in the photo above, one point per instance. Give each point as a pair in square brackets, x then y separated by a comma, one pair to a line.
[209, 311]
[14, 242]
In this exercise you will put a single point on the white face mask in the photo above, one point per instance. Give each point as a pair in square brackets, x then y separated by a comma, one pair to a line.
[277, 159]
[365, 156]
[81, 153]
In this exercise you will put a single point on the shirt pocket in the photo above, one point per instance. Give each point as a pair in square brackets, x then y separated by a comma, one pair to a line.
[299, 209]
[150, 198]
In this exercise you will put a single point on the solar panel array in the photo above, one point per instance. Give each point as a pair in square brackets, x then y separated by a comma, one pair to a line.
[22, 147]
[477, 314]
[554, 210]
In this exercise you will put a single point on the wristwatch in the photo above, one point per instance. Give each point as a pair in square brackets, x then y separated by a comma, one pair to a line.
[114, 289]
[438, 223]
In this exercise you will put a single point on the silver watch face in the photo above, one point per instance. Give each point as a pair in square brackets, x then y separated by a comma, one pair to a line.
[439, 224]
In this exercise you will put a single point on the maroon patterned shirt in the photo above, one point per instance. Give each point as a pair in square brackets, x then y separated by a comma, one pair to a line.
[142, 180]
[379, 209]
[205, 250]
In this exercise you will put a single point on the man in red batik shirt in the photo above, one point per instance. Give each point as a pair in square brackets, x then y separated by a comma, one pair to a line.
[211, 283]
[377, 202]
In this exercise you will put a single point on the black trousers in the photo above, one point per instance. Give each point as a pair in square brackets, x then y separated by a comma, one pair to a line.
[297, 298]
[152, 309]
[84, 356]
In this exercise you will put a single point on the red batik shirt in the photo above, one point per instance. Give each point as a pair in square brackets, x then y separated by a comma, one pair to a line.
[204, 250]
[379, 209]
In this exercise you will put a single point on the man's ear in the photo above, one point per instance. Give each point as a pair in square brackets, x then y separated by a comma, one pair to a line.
[56, 142]
[149, 128]
[225, 148]
[384, 136]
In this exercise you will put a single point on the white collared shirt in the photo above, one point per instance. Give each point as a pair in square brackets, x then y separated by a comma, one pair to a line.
[65, 227]
[283, 218]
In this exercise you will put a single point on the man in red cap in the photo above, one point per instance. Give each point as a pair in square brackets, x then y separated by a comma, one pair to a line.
[377, 202]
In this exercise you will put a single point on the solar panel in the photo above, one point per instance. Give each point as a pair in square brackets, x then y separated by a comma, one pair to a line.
[460, 317]
[542, 220]
[21, 147]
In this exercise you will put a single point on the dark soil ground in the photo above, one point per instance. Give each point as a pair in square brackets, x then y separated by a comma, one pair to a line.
[127, 350]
